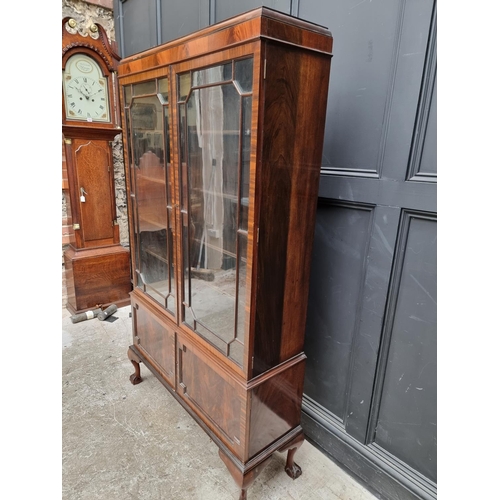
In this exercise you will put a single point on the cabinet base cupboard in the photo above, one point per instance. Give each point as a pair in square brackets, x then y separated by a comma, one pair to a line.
[223, 145]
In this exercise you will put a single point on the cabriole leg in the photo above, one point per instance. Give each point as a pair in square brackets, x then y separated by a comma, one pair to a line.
[291, 468]
[135, 378]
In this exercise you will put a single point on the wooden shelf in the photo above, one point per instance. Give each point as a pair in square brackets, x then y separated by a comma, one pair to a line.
[150, 224]
[157, 180]
[155, 253]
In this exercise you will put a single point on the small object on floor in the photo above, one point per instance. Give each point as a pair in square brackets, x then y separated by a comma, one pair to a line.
[202, 274]
[107, 312]
[85, 316]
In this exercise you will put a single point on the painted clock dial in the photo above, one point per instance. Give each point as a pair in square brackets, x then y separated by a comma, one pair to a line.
[85, 90]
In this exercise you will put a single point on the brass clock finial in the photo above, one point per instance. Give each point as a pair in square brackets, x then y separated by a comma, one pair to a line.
[72, 23]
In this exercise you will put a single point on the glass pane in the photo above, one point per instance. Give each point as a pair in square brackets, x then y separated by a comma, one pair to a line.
[171, 303]
[242, 285]
[236, 352]
[133, 207]
[184, 84]
[216, 74]
[163, 90]
[127, 94]
[214, 143]
[166, 145]
[243, 74]
[145, 88]
[183, 153]
[245, 161]
[188, 316]
[154, 219]
[214, 132]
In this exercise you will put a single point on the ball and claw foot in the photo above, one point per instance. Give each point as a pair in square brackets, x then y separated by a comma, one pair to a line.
[291, 468]
[135, 379]
[294, 471]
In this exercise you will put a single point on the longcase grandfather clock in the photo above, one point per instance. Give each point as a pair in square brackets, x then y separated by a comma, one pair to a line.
[97, 265]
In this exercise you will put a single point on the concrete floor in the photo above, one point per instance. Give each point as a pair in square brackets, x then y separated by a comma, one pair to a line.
[126, 442]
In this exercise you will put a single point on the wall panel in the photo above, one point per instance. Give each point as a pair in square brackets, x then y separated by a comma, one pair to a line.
[228, 8]
[138, 13]
[405, 397]
[179, 18]
[361, 78]
[338, 268]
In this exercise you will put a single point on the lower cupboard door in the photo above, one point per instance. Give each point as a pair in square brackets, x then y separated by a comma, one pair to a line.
[157, 341]
[217, 399]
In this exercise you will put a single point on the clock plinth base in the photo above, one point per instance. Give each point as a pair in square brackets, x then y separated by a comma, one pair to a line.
[97, 277]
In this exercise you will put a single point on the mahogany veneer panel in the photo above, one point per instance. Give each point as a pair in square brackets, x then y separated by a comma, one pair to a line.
[218, 399]
[98, 276]
[275, 407]
[155, 337]
[289, 177]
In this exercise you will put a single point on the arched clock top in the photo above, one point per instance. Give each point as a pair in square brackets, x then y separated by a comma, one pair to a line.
[93, 37]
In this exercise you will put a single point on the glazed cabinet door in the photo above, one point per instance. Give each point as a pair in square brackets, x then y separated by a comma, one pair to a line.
[151, 181]
[215, 104]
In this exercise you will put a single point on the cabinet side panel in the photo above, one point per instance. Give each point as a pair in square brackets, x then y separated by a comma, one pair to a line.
[156, 339]
[296, 87]
[275, 407]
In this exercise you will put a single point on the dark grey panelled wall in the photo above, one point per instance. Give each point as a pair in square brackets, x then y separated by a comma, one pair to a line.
[370, 393]
[142, 24]
[371, 335]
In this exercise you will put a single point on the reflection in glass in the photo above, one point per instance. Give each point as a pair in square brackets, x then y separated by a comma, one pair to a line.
[184, 84]
[163, 90]
[144, 88]
[242, 284]
[215, 124]
[245, 161]
[244, 74]
[215, 74]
